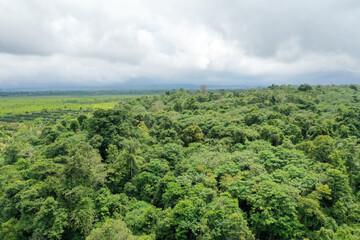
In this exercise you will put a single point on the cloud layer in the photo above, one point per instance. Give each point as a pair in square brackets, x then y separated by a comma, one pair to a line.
[109, 41]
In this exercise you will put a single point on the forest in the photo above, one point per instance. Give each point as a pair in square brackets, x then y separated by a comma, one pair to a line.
[276, 163]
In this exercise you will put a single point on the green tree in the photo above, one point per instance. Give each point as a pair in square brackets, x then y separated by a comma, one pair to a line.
[51, 220]
[84, 167]
[273, 214]
[322, 148]
[304, 87]
[192, 134]
[111, 230]
[9, 230]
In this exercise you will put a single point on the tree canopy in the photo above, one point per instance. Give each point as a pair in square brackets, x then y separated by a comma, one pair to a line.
[276, 163]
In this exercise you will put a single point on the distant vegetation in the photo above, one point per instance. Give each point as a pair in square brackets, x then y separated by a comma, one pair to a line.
[96, 92]
[28, 108]
[276, 163]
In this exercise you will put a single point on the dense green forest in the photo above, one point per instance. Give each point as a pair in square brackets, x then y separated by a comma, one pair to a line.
[276, 163]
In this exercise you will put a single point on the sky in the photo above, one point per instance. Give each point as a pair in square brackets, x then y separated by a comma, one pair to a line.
[87, 43]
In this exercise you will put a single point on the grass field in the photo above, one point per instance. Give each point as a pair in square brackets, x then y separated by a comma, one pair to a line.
[14, 109]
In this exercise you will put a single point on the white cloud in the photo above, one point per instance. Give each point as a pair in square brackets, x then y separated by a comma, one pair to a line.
[112, 41]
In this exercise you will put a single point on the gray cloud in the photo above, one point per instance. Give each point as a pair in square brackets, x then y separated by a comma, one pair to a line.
[109, 41]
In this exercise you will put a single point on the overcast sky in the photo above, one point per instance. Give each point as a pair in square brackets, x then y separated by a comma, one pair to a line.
[245, 42]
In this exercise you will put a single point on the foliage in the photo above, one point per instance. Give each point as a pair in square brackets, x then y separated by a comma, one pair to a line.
[112, 230]
[276, 163]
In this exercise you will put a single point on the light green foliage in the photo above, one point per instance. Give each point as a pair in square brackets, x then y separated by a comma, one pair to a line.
[9, 230]
[142, 218]
[173, 153]
[225, 220]
[111, 230]
[273, 212]
[50, 221]
[84, 167]
[322, 148]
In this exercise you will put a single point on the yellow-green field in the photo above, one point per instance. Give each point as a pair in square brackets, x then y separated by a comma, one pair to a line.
[13, 109]
[22, 105]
